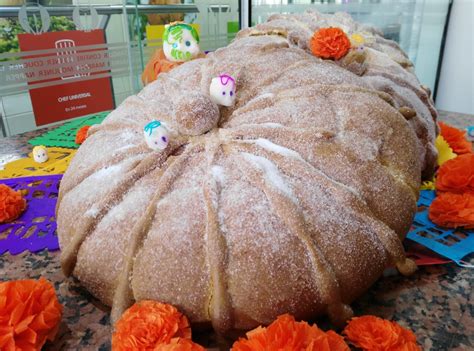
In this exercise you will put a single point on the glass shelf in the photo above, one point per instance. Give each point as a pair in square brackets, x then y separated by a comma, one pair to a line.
[133, 32]
[417, 25]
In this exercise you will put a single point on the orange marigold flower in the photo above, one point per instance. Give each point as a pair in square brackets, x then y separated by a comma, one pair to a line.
[147, 324]
[453, 210]
[180, 344]
[330, 43]
[12, 204]
[372, 333]
[29, 314]
[157, 64]
[457, 175]
[456, 139]
[81, 134]
[287, 334]
[335, 342]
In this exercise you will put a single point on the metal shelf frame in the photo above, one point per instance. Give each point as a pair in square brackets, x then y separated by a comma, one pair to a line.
[12, 11]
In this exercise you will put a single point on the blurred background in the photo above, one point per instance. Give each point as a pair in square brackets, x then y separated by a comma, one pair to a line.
[436, 34]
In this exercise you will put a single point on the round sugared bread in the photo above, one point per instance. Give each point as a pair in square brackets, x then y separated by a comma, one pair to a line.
[293, 200]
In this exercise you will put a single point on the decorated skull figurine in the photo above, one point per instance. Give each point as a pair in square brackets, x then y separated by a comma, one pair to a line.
[180, 42]
[156, 135]
[222, 90]
[40, 154]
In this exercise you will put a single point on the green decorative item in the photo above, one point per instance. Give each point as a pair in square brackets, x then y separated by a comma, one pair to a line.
[65, 135]
[180, 42]
[232, 27]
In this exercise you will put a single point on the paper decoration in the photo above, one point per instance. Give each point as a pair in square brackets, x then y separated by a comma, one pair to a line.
[428, 185]
[57, 163]
[445, 153]
[330, 43]
[454, 244]
[65, 135]
[470, 132]
[35, 229]
[422, 255]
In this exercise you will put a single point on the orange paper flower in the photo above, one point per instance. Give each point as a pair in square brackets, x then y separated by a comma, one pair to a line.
[457, 175]
[81, 134]
[456, 139]
[287, 334]
[157, 64]
[12, 204]
[453, 210]
[180, 344]
[371, 333]
[330, 43]
[148, 324]
[29, 314]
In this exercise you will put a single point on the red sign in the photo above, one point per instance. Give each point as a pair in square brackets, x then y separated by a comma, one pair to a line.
[62, 87]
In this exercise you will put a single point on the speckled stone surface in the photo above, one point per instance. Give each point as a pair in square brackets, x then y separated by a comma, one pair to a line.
[437, 303]
[17, 146]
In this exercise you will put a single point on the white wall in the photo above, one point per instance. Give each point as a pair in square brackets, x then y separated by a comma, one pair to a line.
[456, 85]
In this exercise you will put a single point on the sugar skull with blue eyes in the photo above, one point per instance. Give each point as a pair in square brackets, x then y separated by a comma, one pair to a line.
[180, 42]
[156, 135]
[222, 90]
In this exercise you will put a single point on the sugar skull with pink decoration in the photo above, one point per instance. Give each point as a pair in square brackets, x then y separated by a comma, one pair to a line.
[156, 135]
[222, 90]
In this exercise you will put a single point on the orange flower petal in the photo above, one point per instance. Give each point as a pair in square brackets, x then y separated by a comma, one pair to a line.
[148, 324]
[7, 340]
[453, 210]
[20, 307]
[330, 43]
[456, 175]
[81, 134]
[22, 324]
[28, 336]
[336, 342]
[376, 334]
[180, 344]
[287, 334]
[12, 204]
[456, 139]
[157, 64]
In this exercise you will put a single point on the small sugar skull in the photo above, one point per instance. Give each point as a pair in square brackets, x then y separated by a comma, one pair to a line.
[357, 39]
[361, 38]
[40, 154]
[222, 90]
[180, 42]
[156, 135]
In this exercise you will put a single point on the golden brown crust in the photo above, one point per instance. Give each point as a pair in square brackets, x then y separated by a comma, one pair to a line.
[293, 200]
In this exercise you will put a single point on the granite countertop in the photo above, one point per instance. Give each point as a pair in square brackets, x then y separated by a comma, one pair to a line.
[437, 302]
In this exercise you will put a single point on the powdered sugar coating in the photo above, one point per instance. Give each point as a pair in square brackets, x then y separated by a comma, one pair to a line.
[292, 200]
[271, 173]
